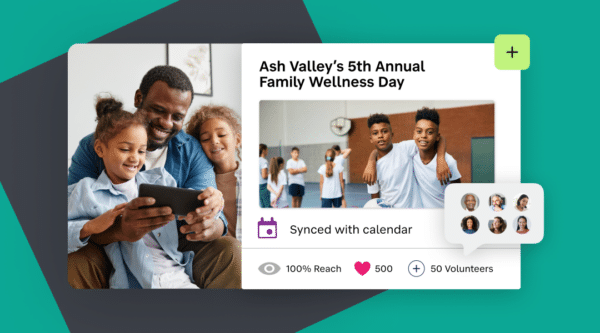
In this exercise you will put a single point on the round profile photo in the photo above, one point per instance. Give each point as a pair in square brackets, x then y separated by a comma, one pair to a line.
[469, 202]
[497, 201]
[522, 225]
[469, 224]
[497, 225]
[521, 201]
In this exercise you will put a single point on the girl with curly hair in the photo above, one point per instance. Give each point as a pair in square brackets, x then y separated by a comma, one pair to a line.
[219, 131]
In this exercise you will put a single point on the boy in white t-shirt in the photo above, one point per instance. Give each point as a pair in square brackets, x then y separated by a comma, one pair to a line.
[296, 167]
[426, 137]
[340, 159]
[389, 171]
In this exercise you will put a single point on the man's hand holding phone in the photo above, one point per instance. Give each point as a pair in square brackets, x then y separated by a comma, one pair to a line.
[203, 224]
[138, 220]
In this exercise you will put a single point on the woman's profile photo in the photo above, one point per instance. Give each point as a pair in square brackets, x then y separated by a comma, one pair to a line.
[497, 202]
[521, 203]
[521, 225]
[497, 225]
[470, 224]
[469, 202]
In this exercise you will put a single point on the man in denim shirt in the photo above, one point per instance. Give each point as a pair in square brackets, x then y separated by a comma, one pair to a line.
[164, 97]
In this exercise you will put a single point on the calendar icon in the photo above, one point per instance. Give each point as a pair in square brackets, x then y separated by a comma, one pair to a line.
[267, 229]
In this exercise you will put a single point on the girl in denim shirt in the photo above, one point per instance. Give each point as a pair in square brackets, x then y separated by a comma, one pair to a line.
[95, 205]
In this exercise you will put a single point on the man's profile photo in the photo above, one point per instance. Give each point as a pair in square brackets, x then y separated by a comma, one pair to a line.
[469, 202]
[497, 202]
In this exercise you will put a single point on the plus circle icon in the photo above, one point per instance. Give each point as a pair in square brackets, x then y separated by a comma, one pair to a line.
[416, 268]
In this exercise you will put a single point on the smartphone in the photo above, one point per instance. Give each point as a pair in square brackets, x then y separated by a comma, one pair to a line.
[181, 200]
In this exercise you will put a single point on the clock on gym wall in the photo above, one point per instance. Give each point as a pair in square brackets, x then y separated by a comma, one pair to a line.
[340, 126]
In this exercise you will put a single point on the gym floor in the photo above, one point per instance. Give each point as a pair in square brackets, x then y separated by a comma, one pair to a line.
[356, 195]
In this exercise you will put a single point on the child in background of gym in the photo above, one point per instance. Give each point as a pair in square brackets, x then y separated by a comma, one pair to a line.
[296, 167]
[331, 184]
[276, 183]
[263, 171]
[340, 159]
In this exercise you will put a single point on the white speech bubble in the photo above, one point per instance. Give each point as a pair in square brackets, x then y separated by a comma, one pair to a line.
[478, 231]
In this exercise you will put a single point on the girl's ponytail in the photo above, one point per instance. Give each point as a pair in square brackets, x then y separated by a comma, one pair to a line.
[274, 169]
[329, 155]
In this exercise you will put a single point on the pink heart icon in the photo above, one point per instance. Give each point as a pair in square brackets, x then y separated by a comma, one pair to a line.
[362, 268]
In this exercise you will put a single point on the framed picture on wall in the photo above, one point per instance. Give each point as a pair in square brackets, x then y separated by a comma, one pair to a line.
[195, 60]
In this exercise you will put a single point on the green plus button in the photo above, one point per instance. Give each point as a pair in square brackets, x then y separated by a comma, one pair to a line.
[511, 52]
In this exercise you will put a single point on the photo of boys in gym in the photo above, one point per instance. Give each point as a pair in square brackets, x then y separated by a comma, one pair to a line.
[380, 154]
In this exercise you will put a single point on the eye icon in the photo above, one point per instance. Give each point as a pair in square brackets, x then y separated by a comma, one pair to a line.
[269, 268]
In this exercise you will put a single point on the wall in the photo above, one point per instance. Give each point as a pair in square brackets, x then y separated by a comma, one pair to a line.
[359, 109]
[299, 122]
[118, 69]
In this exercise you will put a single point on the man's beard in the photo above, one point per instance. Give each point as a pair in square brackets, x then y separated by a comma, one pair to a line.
[153, 145]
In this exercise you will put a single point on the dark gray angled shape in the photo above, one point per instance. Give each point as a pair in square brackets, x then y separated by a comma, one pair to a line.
[226, 21]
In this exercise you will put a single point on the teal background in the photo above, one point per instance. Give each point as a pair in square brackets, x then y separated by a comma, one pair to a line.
[26, 301]
[33, 32]
[559, 288]
[558, 121]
